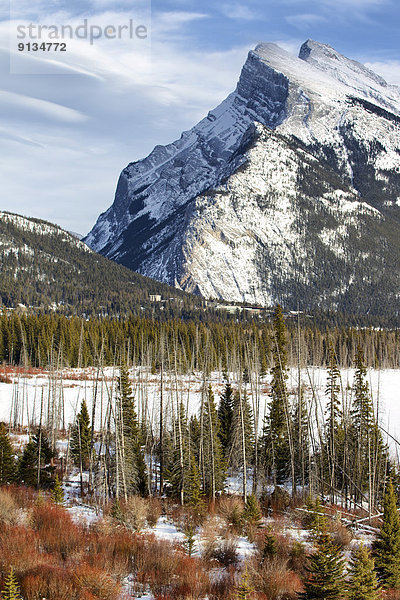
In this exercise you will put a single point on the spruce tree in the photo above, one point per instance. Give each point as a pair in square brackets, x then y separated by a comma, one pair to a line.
[80, 438]
[11, 587]
[334, 430]
[363, 583]
[278, 423]
[387, 545]
[192, 490]
[324, 572]
[7, 461]
[252, 513]
[214, 473]
[133, 466]
[244, 591]
[57, 493]
[29, 471]
[225, 416]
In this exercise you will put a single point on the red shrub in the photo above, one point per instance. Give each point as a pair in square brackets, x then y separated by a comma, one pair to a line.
[96, 582]
[58, 534]
[48, 582]
[19, 547]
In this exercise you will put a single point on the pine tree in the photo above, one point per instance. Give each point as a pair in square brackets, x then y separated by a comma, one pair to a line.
[80, 438]
[324, 572]
[29, 471]
[192, 490]
[387, 545]
[241, 405]
[225, 416]
[7, 461]
[363, 583]
[334, 430]
[57, 494]
[278, 424]
[11, 587]
[214, 467]
[244, 590]
[133, 466]
[252, 513]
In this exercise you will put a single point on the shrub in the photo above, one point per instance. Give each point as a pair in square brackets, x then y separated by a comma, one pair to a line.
[190, 580]
[56, 530]
[153, 512]
[95, 581]
[19, 547]
[48, 581]
[231, 509]
[155, 562]
[9, 511]
[341, 535]
[226, 552]
[275, 580]
[133, 513]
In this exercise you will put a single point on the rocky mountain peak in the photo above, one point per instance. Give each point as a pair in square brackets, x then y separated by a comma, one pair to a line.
[268, 197]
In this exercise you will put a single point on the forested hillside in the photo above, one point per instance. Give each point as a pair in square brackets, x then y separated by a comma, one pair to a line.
[42, 265]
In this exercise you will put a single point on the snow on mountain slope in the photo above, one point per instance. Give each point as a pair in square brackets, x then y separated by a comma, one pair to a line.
[289, 190]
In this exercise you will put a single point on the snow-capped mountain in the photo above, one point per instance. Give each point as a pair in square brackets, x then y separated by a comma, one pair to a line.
[288, 191]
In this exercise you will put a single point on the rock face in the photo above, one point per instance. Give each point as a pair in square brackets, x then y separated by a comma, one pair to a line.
[288, 191]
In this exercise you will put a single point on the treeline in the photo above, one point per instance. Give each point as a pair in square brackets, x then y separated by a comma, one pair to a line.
[44, 340]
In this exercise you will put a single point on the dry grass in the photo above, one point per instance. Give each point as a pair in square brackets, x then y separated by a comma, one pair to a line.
[10, 513]
[230, 508]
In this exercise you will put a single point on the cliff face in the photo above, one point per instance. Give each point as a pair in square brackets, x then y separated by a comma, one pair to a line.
[288, 191]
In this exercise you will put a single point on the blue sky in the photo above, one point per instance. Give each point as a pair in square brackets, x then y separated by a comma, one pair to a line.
[65, 135]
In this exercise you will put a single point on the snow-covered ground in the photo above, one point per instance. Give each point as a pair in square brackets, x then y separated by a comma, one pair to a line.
[28, 395]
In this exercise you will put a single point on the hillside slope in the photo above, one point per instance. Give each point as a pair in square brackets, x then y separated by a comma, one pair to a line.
[44, 266]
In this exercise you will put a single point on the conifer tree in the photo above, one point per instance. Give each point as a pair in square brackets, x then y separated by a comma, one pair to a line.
[214, 466]
[11, 587]
[29, 471]
[324, 572]
[7, 461]
[387, 545]
[242, 424]
[252, 513]
[244, 590]
[334, 431]
[278, 424]
[192, 491]
[57, 493]
[225, 416]
[363, 583]
[133, 467]
[80, 438]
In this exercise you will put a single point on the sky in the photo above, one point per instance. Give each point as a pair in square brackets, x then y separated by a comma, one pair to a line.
[71, 121]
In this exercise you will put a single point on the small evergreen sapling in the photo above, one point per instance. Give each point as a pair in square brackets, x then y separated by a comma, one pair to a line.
[11, 587]
[324, 572]
[363, 583]
[7, 461]
[387, 546]
[244, 590]
[57, 494]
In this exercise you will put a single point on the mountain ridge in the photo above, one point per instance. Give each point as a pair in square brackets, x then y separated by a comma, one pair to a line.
[175, 214]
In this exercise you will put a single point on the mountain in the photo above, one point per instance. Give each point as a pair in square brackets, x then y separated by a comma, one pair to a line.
[44, 266]
[288, 191]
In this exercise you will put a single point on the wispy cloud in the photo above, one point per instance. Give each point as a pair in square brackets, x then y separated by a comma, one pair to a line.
[389, 70]
[239, 12]
[305, 20]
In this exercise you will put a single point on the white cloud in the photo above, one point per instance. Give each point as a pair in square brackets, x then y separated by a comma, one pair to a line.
[72, 135]
[305, 20]
[239, 12]
[389, 70]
